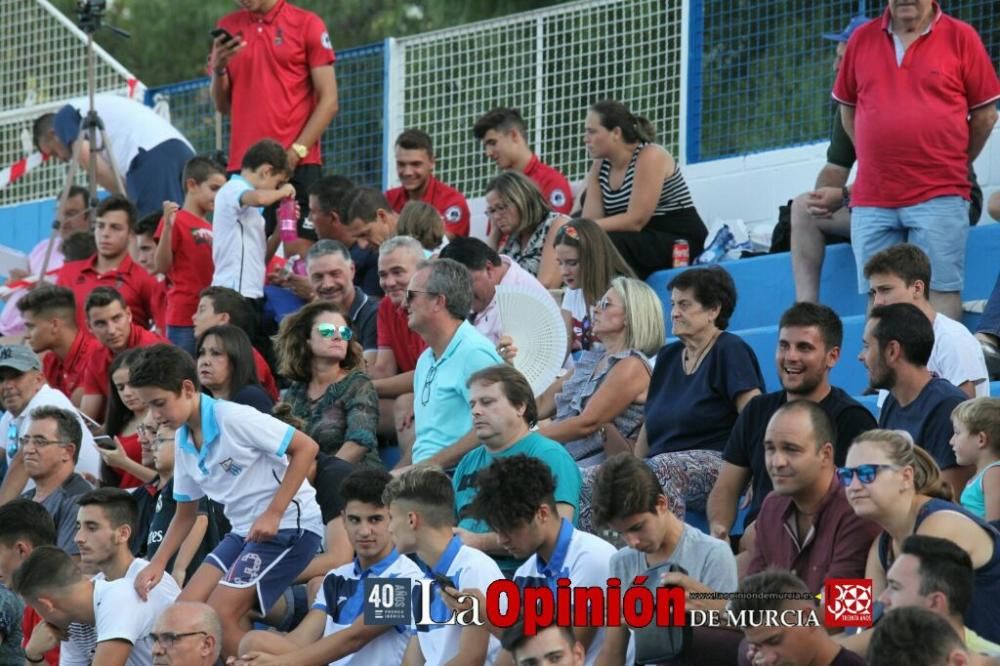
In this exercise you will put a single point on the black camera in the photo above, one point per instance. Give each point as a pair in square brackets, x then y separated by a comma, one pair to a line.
[89, 14]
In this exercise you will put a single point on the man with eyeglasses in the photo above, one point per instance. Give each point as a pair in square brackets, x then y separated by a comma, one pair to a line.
[437, 303]
[49, 450]
[187, 634]
[74, 219]
[23, 390]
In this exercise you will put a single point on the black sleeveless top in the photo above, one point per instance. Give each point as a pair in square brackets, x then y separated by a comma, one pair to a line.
[983, 613]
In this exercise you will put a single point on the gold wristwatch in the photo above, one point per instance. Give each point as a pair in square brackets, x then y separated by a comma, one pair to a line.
[300, 150]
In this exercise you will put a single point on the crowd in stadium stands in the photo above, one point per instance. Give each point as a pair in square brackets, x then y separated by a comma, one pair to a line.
[211, 446]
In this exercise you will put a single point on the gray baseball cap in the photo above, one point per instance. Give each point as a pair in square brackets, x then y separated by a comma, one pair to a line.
[19, 357]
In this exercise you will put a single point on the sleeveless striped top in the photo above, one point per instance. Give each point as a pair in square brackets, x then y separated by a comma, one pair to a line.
[674, 195]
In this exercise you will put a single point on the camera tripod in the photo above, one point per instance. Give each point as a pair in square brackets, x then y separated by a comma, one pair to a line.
[89, 13]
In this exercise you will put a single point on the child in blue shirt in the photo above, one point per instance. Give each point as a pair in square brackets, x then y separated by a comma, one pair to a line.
[252, 464]
[976, 441]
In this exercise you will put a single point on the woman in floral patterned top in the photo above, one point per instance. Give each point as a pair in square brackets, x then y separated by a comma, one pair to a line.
[330, 391]
[523, 225]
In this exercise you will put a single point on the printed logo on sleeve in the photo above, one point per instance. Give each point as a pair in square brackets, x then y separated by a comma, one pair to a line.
[452, 214]
[557, 198]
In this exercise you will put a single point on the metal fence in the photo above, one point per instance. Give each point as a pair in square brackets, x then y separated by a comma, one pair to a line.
[760, 75]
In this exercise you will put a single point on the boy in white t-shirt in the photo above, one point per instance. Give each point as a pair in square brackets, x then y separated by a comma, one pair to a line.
[239, 244]
[334, 631]
[252, 464]
[52, 584]
[421, 505]
[516, 498]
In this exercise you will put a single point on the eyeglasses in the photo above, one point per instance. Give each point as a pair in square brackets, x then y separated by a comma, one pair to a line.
[866, 473]
[157, 442]
[39, 442]
[412, 293]
[168, 638]
[425, 394]
[604, 304]
[329, 330]
[493, 211]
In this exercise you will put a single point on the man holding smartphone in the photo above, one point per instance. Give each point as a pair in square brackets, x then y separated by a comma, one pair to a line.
[272, 72]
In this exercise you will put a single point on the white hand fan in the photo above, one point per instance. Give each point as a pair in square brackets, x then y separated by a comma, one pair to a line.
[535, 324]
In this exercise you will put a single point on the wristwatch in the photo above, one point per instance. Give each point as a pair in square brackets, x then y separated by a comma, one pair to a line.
[300, 150]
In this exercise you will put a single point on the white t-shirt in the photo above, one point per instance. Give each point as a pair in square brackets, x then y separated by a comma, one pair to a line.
[131, 126]
[467, 568]
[12, 427]
[347, 583]
[79, 649]
[240, 465]
[239, 244]
[580, 556]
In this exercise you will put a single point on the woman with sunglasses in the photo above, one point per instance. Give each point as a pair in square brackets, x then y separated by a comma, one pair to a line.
[330, 391]
[226, 367]
[587, 262]
[524, 225]
[896, 484]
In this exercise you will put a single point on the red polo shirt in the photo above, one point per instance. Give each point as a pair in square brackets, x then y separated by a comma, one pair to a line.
[394, 333]
[191, 271]
[139, 289]
[910, 124]
[270, 78]
[448, 201]
[265, 375]
[96, 379]
[554, 186]
[66, 374]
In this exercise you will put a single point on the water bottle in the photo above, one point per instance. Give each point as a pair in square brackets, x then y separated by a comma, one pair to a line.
[717, 250]
[288, 229]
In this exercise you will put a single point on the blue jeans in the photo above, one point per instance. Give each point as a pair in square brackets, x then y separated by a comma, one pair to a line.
[938, 226]
[990, 321]
[183, 337]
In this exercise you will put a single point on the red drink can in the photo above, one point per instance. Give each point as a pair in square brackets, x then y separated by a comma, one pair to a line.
[682, 253]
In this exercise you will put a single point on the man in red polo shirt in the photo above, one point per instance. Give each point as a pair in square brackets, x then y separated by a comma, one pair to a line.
[112, 266]
[276, 79]
[398, 346]
[505, 141]
[415, 169]
[917, 91]
[111, 323]
[49, 314]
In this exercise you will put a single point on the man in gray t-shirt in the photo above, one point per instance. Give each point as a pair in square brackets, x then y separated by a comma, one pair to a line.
[628, 498]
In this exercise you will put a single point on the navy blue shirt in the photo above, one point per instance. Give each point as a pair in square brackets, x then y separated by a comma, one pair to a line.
[366, 270]
[745, 447]
[697, 411]
[254, 396]
[927, 419]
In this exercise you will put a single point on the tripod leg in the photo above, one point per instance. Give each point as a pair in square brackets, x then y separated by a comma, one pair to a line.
[74, 166]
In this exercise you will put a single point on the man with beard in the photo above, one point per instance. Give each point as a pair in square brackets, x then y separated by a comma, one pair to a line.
[896, 346]
[809, 341]
[331, 272]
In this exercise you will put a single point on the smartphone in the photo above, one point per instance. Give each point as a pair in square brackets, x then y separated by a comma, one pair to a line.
[88, 419]
[105, 442]
[442, 581]
[221, 32]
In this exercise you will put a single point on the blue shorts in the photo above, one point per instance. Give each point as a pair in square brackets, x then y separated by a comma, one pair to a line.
[938, 226]
[270, 566]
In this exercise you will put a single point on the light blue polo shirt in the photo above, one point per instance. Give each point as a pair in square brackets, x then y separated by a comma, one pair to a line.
[240, 465]
[440, 397]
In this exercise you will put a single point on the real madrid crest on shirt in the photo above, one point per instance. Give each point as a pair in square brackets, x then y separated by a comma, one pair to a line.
[557, 198]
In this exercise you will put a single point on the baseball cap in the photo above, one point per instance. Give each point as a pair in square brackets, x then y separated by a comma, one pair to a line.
[19, 357]
[843, 36]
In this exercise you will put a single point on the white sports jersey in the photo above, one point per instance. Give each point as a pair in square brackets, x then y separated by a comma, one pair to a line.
[240, 465]
[581, 557]
[467, 568]
[239, 245]
[342, 598]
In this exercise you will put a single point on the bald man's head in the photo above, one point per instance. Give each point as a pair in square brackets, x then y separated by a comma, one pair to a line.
[188, 634]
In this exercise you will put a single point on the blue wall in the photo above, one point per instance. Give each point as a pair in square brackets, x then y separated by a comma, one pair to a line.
[23, 225]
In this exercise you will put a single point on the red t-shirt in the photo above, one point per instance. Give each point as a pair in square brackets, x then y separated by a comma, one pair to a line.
[270, 78]
[95, 379]
[139, 289]
[29, 621]
[394, 333]
[911, 130]
[448, 201]
[554, 186]
[265, 376]
[67, 374]
[191, 271]
[134, 451]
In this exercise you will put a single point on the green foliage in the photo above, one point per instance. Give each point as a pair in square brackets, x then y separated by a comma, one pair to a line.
[170, 40]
